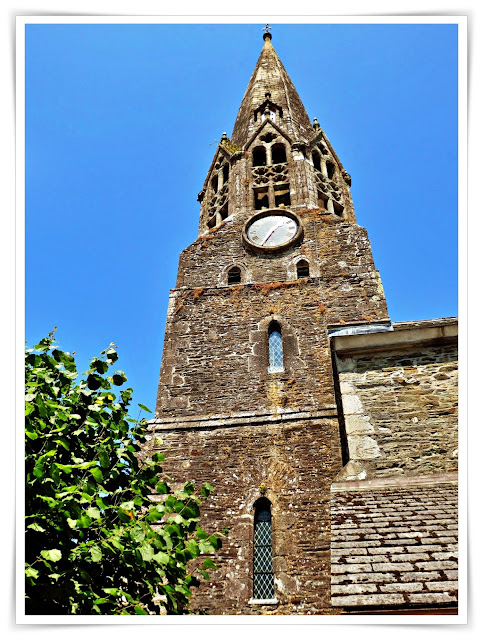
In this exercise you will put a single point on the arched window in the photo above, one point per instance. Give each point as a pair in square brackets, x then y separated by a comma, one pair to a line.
[278, 154]
[330, 170]
[226, 172]
[263, 585]
[275, 348]
[234, 275]
[259, 157]
[316, 161]
[303, 269]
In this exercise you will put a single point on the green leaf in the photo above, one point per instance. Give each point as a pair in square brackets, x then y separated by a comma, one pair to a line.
[193, 548]
[147, 552]
[36, 527]
[119, 378]
[137, 533]
[140, 611]
[104, 459]
[206, 489]
[67, 468]
[54, 555]
[162, 488]
[161, 558]
[30, 572]
[31, 434]
[84, 521]
[111, 354]
[144, 408]
[94, 513]
[96, 554]
[97, 473]
[205, 574]
[209, 564]
[206, 547]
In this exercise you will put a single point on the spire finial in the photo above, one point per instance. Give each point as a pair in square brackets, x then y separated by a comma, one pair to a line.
[266, 30]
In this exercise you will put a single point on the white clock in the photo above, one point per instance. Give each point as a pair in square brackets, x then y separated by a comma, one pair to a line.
[272, 230]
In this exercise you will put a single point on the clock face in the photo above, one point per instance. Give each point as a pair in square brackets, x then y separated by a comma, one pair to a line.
[272, 231]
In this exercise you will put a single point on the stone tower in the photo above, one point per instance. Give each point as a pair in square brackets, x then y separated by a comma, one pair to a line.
[248, 398]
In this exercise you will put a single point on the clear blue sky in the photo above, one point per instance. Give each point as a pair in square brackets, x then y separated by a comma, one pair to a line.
[121, 127]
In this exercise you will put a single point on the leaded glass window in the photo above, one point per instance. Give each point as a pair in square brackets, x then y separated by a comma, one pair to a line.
[263, 588]
[275, 348]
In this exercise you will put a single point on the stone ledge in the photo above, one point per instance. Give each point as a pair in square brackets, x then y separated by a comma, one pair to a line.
[238, 420]
[406, 334]
[399, 481]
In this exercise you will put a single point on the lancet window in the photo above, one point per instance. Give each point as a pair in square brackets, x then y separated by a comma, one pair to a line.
[275, 348]
[263, 582]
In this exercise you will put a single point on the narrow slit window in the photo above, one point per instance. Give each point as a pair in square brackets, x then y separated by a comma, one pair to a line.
[275, 348]
[226, 173]
[263, 583]
[214, 183]
[234, 275]
[303, 270]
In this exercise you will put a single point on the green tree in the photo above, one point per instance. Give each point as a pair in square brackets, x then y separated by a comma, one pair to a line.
[95, 540]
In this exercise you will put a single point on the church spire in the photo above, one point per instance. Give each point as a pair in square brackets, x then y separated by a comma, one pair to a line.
[271, 90]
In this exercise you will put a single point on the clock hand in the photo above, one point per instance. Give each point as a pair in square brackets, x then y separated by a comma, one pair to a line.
[271, 233]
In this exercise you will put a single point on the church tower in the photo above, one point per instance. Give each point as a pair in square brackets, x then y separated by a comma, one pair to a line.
[278, 365]
[246, 395]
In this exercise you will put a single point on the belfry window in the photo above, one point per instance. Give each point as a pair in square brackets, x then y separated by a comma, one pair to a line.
[263, 583]
[234, 275]
[282, 195]
[259, 157]
[330, 170]
[316, 161]
[226, 172]
[275, 348]
[279, 154]
[303, 269]
[261, 198]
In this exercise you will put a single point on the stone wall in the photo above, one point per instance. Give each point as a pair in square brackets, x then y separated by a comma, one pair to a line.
[400, 410]
[295, 459]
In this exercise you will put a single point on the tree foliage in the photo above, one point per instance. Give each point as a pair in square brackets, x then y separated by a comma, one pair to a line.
[95, 540]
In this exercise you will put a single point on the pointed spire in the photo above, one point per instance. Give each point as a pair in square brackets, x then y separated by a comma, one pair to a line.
[270, 77]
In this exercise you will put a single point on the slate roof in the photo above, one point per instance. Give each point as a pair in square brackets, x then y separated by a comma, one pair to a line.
[394, 545]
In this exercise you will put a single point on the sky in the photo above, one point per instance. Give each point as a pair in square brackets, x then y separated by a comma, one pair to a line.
[122, 122]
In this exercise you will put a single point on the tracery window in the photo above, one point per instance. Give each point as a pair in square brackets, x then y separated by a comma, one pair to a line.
[275, 348]
[263, 583]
